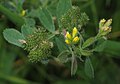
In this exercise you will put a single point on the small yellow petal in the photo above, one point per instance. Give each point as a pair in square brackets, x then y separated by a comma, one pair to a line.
[102, 21]
[106, 28]
[67, 41]
[68, 36]
[76, 39]
[74, 32]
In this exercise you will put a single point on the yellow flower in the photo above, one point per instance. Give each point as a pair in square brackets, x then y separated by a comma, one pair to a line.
[72, 39]
[74, 32]
[104, 27]
[67, 41]
[76, 39]
[23, 13]
[68, 36]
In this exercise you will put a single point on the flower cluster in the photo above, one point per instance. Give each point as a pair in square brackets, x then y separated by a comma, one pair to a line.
[104, 27]
[72, 39]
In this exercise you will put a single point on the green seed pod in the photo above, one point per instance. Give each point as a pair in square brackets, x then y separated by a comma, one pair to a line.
[73, 18]
[40, 53]
[38, 46]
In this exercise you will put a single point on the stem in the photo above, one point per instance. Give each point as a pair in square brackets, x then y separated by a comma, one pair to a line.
[51, 36]
[54, 34]
[16, 19]
[71, 52]
[62, 52]
[72, 61]
[81, 39]
[80, 58]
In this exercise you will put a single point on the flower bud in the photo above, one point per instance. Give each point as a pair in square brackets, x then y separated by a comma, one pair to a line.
[67, 41]
[76, 39]
[104, 27]
[102, 22]
[68, 36]
[74, 32]
[23, 13]
[108, 23]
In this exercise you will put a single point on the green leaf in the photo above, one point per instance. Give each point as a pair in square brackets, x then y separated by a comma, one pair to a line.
[88, 42]
[13, 36]
[89, 71]
[61, 44]
[19, 5]
[16, 19]
[6, 61]
[27, 30]
[33, 13]
[30, 22]
[62, 8]
[29, 27]
[101, 46]
[110, 47]
[46, 19]
[86, 52]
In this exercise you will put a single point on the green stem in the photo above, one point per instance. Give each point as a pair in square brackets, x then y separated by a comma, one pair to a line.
[16, 19]
[72, 61]
[51, 36]
[82, 40]
[62, 52]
